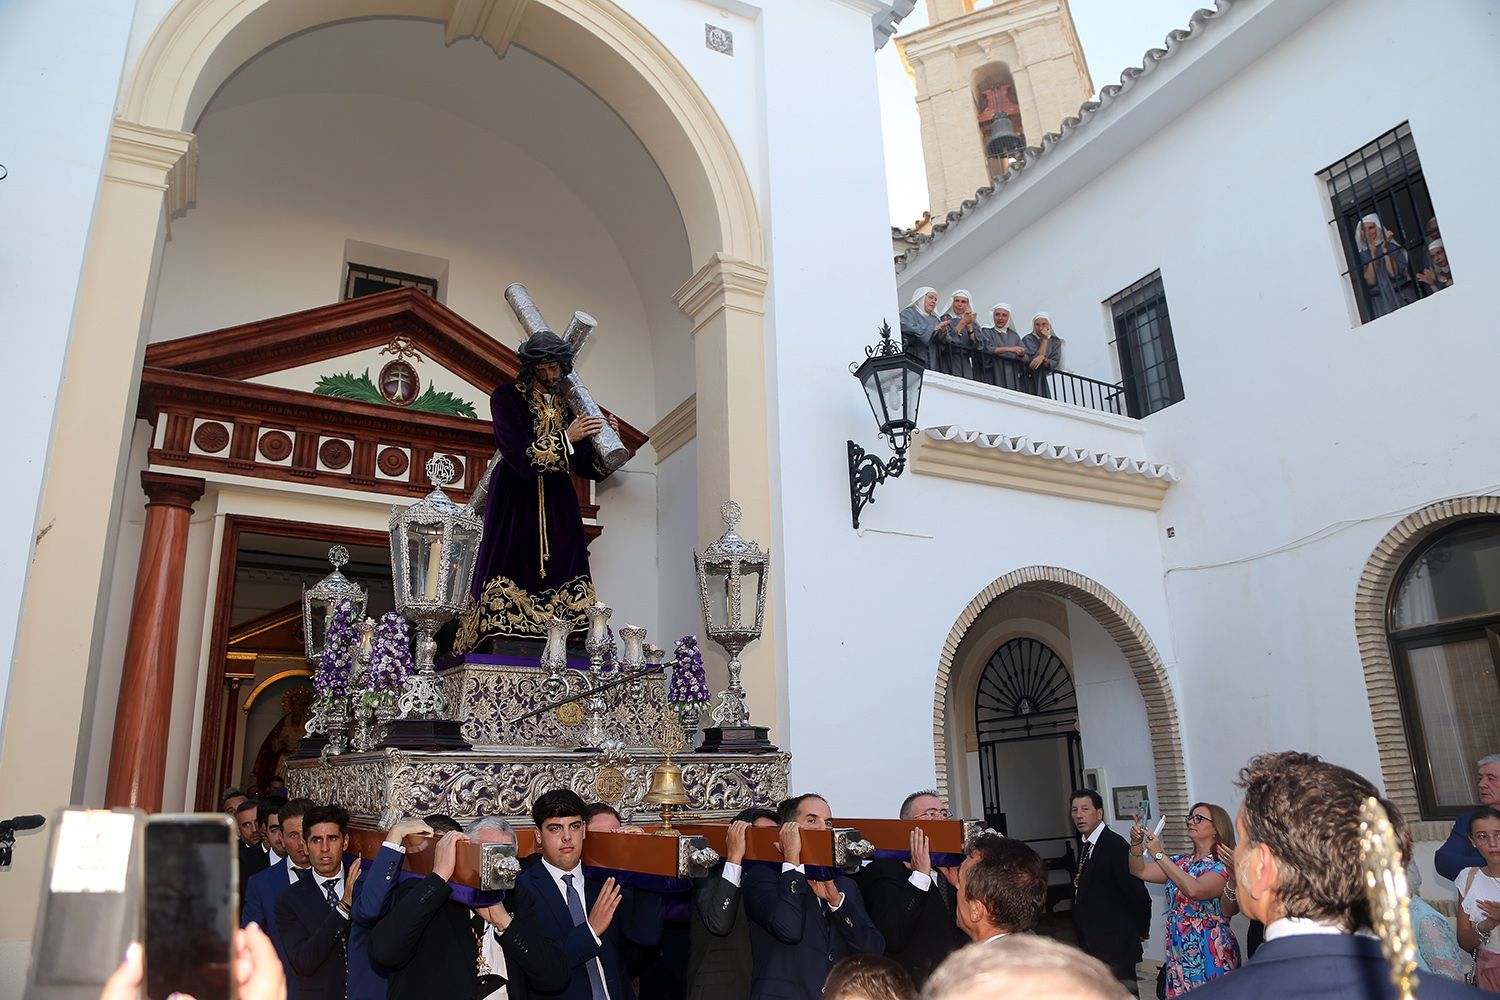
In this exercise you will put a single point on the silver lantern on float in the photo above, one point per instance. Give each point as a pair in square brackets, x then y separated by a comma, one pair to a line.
[320, 603]
[732, 582]
[434, 546]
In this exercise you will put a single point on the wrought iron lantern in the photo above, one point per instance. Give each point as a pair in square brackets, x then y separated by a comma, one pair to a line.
[732, 582]
[434, 545]
[892, 380]
[321, 601]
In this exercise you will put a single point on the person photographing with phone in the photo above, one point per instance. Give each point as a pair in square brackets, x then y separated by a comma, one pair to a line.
[1200, 944]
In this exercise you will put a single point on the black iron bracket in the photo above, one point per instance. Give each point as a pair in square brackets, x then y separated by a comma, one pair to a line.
[867, 472]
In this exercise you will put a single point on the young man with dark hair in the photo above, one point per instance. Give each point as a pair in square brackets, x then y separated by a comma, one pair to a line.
[268, 820]
[1111, 908]
[259, 902]
[801, 926]
[719, 959]
[913, 903]
[313, 915]
[578, 913]
[1297, 870]
[1002, 888]
[434, 937]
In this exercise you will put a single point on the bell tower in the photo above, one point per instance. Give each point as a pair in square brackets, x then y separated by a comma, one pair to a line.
[992, 77]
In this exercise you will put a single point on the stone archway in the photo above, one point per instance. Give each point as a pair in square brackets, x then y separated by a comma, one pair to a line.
[1127, 632]
[1371, 602]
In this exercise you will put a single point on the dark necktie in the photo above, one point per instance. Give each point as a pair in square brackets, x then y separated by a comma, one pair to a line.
[940, 885]
[331, 891]
[575, 910]
[1088, 848]
[302, 874]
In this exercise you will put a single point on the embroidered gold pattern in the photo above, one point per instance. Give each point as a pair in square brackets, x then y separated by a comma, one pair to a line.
[504, 608]
[547, 451]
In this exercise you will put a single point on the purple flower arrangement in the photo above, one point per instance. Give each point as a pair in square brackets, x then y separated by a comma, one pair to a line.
[689, 685]
[390, 661]
[332, 677]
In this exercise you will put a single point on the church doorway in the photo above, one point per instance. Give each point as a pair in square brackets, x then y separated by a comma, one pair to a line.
[1030, 748]
[259, 682]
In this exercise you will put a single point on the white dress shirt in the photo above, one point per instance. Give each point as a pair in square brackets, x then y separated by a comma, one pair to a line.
[1293, 926]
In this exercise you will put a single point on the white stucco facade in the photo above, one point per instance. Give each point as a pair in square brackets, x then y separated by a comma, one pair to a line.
[1303, 437]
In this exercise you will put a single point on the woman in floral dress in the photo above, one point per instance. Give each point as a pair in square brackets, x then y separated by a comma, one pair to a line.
[1200, 945]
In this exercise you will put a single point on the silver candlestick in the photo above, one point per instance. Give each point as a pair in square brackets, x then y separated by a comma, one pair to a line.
[597, 644]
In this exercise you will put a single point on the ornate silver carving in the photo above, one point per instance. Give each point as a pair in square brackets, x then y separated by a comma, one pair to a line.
[695, 858]
[504, 782]
[850, 850]
[498, 866]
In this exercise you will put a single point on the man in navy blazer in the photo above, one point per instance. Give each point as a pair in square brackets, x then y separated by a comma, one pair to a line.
[259, 903]
[1297, 869]
[578, 912]
[800, 927]
[368, 980]
[313, 915]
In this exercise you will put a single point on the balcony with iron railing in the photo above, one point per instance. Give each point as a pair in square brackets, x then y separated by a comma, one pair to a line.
[1007, 372]
[991, 420]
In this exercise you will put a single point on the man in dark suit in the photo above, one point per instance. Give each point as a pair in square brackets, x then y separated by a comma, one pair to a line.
[258, 905]
[253, 859]
[1111, 908]
[1297, 869]
[719, 964]
[800, 927]
[368, 979]
[313, 915]
[576, 912]
[268, 820]
[913, 904]
[435, 945]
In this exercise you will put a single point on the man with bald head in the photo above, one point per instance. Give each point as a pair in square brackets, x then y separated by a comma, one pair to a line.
[913, 903]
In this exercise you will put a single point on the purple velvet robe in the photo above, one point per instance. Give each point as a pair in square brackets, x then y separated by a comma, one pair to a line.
[533, 558]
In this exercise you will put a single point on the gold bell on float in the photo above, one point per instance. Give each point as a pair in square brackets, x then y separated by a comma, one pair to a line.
[667, 791]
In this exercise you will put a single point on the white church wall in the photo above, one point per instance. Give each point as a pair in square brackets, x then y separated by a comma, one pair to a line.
[51, 179]
[1301, 439]
[679, 606]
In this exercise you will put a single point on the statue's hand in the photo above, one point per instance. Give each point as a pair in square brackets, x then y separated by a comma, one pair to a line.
[583, 427]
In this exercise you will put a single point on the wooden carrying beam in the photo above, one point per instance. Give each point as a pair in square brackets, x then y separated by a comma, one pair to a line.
[495, 866]
[841, 847]
[944, 836]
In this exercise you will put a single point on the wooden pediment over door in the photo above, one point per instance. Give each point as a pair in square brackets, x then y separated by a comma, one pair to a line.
[246, 400]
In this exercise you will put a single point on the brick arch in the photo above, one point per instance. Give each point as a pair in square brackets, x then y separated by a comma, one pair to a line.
[1371, 598]
[1129, 635]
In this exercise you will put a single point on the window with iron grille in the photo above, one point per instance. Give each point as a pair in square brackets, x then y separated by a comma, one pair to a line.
[1386, 226]
[1143, 341]
[361, 280]
[1444, 628]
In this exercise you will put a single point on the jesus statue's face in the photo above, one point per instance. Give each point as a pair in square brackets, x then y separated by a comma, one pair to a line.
[548, 375]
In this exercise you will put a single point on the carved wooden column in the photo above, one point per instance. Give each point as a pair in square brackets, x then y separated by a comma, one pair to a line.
[137, 761]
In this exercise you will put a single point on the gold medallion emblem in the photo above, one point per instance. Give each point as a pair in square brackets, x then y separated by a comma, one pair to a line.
[609, 785]
[570, 714]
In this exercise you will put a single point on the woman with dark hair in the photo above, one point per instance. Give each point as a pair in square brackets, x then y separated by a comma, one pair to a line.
[1200, 944]
[1479, 912]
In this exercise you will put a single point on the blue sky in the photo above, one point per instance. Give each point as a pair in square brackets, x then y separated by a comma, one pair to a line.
[1114, 33]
